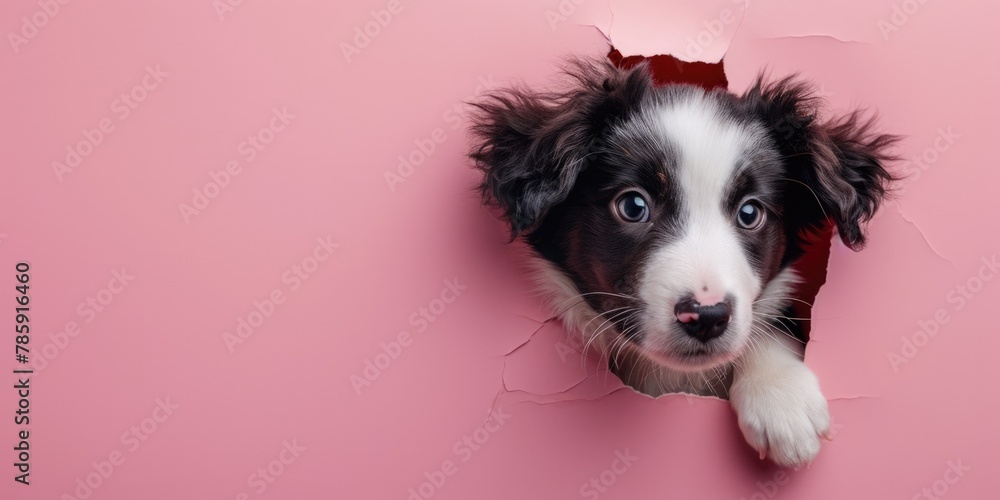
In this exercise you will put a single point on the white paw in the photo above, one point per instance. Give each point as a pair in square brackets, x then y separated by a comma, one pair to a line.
[782, 413]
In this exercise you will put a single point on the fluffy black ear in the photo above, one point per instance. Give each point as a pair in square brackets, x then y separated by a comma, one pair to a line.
[531, 145]
[836, 168]
[850, 175]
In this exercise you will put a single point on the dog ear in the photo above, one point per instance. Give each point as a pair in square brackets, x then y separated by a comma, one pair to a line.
[836, 169]
[849, 174]
[531, 146]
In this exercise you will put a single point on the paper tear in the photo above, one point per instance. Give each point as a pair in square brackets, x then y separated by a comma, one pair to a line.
[547, 348]
[555, 401]
[522, 344]
[774, 20]
[813, 36]
[852, 398]
[637, 28]
[604, 34]
[529, 318]
[503, 369]
[927, 241]
[708, 46]
[561, 390]
[503, 389]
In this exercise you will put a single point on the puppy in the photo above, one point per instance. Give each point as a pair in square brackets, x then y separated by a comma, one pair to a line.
[665, 222]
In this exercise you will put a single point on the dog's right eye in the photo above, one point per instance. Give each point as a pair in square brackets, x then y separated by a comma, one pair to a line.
[632, 207]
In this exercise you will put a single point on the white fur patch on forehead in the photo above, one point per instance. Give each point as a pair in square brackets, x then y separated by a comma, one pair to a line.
[707, 145]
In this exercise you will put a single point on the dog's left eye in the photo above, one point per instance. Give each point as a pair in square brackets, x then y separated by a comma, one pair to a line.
[751, 215]
[632, 207]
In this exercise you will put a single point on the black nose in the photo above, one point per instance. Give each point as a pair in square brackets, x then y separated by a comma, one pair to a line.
[703, 322]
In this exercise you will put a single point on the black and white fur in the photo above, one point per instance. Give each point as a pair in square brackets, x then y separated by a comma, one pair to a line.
[559, 164]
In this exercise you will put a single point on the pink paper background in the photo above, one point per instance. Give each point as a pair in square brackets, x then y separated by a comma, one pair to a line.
[162, 336]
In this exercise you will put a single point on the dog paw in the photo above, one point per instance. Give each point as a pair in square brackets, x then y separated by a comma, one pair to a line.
[782, 413]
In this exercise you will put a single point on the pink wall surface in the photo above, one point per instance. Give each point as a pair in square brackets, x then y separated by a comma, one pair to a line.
[258, 268]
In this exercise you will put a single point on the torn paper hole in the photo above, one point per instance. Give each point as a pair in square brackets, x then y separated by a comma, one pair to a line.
[680, 51]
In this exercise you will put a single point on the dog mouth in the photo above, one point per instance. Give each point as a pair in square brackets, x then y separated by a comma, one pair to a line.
[676, 349]
[693, 359]
[696, 353]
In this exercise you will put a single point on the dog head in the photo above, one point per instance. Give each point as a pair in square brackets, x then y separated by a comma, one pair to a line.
[674, 210]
